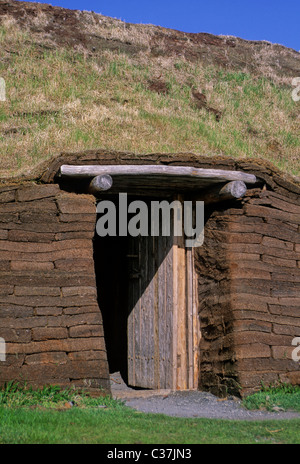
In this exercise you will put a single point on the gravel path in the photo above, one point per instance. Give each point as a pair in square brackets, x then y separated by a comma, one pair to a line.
[201, 404]
[190, 404]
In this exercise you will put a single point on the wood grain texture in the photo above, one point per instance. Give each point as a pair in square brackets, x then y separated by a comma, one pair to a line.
[100, 184]
[162, 324]
[138, 178]
[230, 191]
[150, 325]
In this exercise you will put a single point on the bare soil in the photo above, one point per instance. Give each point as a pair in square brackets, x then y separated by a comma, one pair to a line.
[72, 28]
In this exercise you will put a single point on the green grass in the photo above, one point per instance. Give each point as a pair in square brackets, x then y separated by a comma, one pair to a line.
[104, 101]
[14, 395]
[124, 426]
[282, 396]
[45, 416]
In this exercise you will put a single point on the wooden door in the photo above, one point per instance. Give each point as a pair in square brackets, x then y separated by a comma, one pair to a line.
[150, 321]
[162, 322]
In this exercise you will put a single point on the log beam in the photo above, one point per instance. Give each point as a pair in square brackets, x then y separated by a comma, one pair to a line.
[157, 172]
[100, 184]
[231, 191]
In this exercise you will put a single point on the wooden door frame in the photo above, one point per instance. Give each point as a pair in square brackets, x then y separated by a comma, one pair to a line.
[186, 330]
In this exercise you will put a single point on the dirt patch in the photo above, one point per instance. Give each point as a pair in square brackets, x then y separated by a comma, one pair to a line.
[94, 32]
[200, 101]
[156, 85]
[64, 27]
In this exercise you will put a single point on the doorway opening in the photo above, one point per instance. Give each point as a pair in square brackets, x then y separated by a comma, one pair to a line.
[146, 293]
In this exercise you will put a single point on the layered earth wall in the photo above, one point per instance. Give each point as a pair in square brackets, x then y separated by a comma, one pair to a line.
[248, 279]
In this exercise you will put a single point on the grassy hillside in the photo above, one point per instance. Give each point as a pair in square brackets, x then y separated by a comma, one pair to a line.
[70, 96]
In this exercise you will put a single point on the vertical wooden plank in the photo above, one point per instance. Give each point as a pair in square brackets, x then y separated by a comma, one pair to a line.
[169, 309]
[182, 383]
[196, 326]
[146, 315]
[137, 312]
[144, 334]
[130, 322]
[151, 315]
[161, 273]
[159, 309]
[175, 315]
[151, 295]
[181, 306]
[144, 319]
[141, 321]
[189, 304]
[155, 242]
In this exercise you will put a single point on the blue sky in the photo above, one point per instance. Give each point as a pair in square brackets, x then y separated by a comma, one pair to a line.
[277, 21]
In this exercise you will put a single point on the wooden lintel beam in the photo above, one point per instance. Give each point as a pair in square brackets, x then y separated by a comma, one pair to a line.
[157, 172]
[231, 191]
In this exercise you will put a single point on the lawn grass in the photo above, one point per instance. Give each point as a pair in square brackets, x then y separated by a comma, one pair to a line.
[120, 425]
[65, 100]
[54, 416]
[275, 398]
